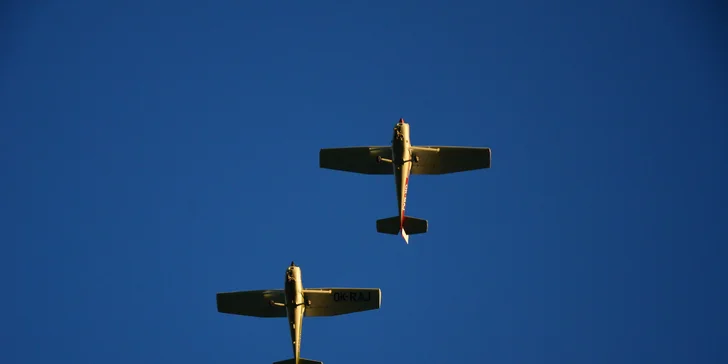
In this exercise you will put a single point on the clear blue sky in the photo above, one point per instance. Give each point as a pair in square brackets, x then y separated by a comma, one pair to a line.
[157, 152]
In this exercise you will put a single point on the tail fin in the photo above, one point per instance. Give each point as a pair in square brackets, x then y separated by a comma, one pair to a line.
[410, 226]
[300, 361]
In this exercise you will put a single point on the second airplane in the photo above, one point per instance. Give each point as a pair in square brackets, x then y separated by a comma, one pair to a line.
[402, 159]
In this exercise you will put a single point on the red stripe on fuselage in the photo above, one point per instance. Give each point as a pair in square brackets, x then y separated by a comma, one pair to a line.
[404, 203]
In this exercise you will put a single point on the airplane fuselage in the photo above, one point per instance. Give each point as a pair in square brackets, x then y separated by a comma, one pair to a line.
[401, 164]
[293, 289]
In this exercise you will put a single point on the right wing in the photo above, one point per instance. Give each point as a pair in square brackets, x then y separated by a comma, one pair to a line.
[356, 159]
[341, 301]
[445, 159]
[252, 303]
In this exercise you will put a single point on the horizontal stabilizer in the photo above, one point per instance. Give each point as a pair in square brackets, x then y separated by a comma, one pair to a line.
[411, 225]
[300, 361]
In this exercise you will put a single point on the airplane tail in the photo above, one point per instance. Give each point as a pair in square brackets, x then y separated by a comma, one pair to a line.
[411, 226]
[300, 361]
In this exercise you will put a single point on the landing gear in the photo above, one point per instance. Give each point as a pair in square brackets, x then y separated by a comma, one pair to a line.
[272, 303]
[380, 159]
[306, 303]
[413, 158]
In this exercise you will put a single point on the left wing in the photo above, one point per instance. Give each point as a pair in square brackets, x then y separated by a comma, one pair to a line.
[443, 160]
[252, 303]
[356, 159]
[341, 301]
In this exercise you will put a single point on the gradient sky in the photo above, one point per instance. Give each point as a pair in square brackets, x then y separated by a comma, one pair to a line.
[155, 153]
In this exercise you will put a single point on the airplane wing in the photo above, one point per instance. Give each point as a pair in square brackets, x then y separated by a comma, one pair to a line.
[356, 159]
[341, 301]
[252, 303]
[443, 160]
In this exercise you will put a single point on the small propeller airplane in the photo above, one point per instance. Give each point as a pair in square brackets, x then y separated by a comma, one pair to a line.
[403, 159]
[295, 302]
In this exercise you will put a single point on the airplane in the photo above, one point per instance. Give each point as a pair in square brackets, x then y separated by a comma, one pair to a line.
[403, 159]
[295, 302]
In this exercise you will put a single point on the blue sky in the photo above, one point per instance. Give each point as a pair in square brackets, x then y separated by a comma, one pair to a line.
[157, 152]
